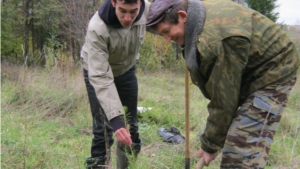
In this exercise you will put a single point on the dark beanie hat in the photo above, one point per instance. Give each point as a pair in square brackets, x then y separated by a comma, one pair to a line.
[158, 10]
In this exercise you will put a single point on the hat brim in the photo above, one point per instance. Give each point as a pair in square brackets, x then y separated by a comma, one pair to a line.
[155, 21]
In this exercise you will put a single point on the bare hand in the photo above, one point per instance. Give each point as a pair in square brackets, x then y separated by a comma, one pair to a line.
[123, 136]
[207, 157]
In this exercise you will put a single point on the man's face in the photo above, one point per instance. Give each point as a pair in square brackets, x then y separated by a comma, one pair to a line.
[126, 13]
[174, 32]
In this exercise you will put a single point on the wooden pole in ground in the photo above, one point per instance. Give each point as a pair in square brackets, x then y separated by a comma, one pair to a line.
[200, 163]
[187, 118]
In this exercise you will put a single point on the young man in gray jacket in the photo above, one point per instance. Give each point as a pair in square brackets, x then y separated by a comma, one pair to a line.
[114, 36]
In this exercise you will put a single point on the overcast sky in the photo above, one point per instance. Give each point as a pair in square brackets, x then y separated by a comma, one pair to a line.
[289, 11]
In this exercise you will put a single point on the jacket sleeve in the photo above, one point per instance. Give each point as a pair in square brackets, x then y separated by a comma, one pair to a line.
[224, 83]
[100, 73]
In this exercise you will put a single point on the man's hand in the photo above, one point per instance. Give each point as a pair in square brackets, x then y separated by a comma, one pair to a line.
[123, 136]
[207, 157]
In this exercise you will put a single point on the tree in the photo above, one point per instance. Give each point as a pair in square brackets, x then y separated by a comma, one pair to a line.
[47, 16]
[42, 19]
[265, 7]
[26, 20]
[27, 25]
[76, 17]
[11, 29]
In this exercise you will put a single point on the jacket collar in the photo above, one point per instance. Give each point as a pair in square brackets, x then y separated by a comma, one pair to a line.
[194, 25]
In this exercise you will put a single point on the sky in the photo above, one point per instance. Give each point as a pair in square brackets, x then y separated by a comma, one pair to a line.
[289, 11]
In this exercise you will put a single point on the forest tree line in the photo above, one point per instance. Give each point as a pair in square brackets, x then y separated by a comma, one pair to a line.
[51, 32]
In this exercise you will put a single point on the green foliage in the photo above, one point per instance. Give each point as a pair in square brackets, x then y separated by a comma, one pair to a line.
[10, 42]
[49, 57]
[51, 23]
[47, 14]
[265, 7]
[156, 54]
[51, 51]
[148, 60]
[46, 20]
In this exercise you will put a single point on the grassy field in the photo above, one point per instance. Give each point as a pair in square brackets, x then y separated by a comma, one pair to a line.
[46, 121]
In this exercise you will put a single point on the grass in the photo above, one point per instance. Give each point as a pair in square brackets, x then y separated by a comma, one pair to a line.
[46, 121]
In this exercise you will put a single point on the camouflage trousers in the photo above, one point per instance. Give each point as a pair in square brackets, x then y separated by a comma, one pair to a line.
[253, 127]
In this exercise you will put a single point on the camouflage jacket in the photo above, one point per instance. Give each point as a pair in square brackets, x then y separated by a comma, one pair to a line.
[240, 51]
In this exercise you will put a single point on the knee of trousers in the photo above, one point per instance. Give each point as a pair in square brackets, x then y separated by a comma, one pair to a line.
[134, 127]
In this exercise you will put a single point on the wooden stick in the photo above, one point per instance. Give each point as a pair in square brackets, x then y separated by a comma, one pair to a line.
[128, 128]
[187, 118]
[200, 163]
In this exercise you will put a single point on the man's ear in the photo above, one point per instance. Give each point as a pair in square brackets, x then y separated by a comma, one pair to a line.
[182, 15]
[113, 3]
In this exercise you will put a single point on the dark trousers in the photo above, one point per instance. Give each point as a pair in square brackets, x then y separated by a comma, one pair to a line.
[127, 88]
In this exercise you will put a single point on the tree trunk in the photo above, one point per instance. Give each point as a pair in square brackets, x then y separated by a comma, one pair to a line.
[32, 29]
[71, 42]
[27, 28]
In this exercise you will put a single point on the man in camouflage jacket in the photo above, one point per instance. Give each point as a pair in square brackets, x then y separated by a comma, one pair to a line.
[242, 62]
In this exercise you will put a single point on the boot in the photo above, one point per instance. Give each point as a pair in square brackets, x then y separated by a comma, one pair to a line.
[122, 160]
[96, 163]
[121, 150]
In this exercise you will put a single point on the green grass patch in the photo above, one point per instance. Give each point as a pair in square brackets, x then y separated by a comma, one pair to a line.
[46, 122]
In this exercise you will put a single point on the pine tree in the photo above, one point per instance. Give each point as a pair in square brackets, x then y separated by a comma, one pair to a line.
[265, 7]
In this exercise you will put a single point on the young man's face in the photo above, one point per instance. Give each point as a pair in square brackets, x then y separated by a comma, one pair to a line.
[174, 32]
[126, 13]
